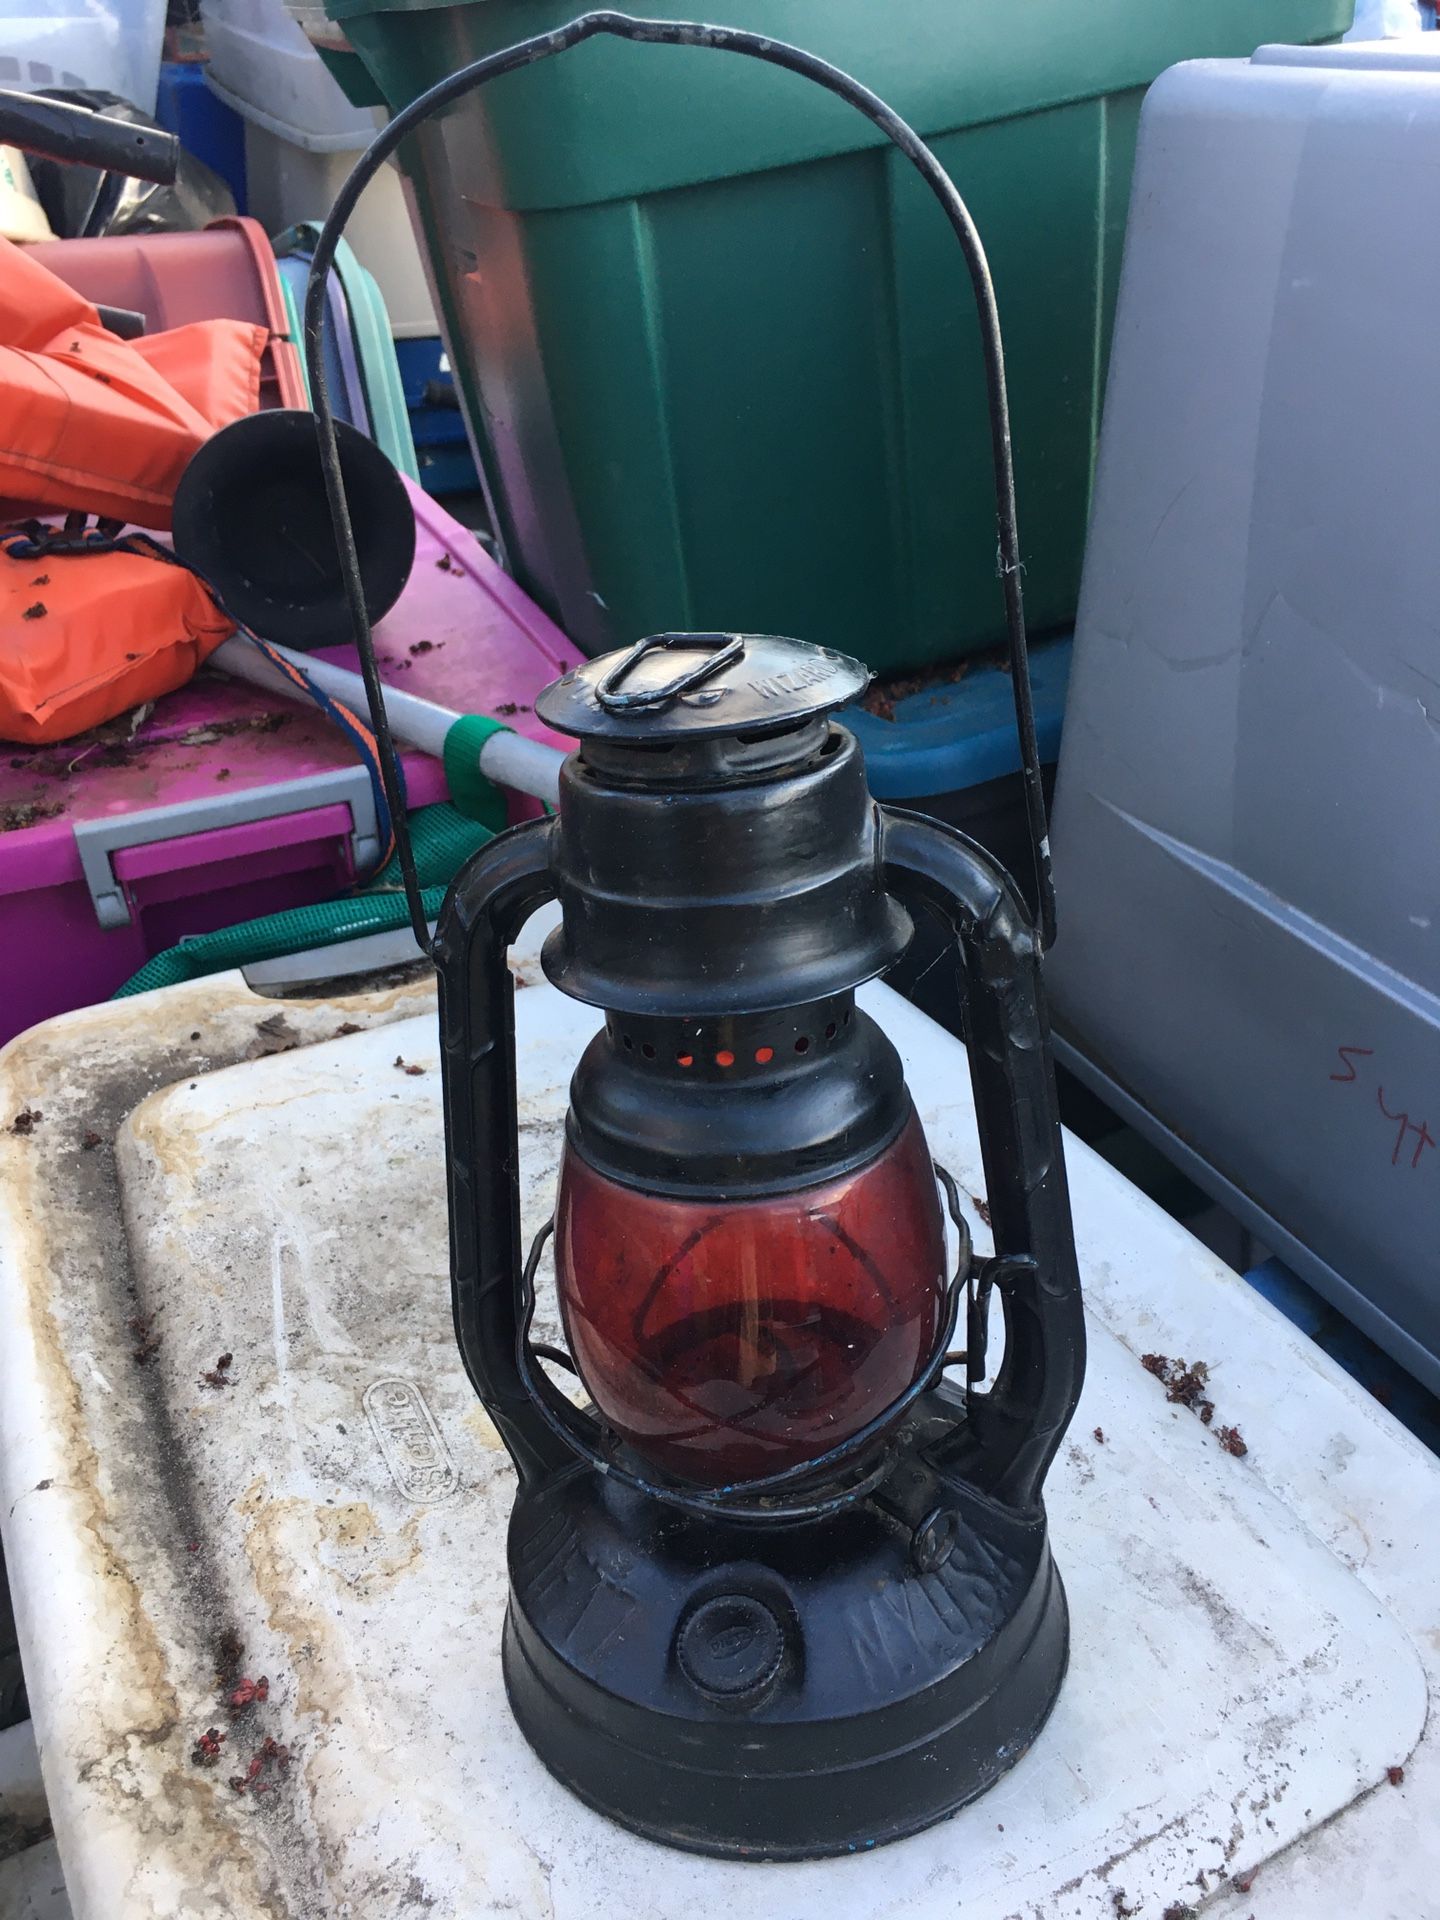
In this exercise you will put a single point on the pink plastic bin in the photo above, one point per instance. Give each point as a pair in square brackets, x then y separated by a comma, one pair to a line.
[462, 634]
[173, 278]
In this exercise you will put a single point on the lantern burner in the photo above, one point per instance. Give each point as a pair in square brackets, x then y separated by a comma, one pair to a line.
[744, 1103]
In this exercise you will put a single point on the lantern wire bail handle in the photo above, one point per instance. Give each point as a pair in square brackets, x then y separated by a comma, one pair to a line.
[756, 46]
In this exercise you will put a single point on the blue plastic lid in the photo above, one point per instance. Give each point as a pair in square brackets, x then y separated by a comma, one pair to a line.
[961, 732]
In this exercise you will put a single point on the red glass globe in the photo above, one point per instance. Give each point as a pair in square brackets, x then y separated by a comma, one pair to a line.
[728, 1341]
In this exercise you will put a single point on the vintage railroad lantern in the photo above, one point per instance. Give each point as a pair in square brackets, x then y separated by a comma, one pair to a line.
[783, 1587]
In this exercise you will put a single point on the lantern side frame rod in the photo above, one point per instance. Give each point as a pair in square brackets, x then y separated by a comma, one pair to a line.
[778, 53]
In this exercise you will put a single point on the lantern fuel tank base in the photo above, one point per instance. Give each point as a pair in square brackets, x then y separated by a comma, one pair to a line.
[779, 1693]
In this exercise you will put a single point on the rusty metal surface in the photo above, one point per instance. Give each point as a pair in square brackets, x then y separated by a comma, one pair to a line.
[326, 1512]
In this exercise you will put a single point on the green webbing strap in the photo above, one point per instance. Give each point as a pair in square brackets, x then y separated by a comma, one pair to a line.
[475, 796]
[443, 840]
[276, 936]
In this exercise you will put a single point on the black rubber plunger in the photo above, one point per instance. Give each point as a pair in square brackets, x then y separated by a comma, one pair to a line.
[251, 516]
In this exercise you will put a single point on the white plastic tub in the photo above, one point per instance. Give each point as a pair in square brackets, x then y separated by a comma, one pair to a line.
[21, 215]
[1253, 1646]
[302, 136]
[113, 44]
[261, 62]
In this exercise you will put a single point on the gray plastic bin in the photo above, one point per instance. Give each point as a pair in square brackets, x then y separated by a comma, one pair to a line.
[1247, 826]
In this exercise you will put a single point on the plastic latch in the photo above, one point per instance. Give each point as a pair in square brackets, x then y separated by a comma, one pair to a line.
[97, 841]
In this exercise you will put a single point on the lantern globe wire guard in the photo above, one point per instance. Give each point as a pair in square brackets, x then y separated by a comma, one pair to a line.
[784, 1587]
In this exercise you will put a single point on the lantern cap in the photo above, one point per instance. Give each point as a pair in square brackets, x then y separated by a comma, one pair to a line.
[697, 686]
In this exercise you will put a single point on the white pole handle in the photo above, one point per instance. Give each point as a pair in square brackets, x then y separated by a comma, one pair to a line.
[507, 758]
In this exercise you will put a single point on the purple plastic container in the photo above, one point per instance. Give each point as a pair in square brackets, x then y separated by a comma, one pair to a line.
[98, 878]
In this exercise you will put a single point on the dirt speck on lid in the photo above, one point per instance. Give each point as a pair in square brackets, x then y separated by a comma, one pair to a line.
[273, 1035]
[247, 1693]
[883, 694]
[269, 1755]
[1185, 1385]
[28, 813]
[229, 1652]
[219, 1374]
[147, 1341]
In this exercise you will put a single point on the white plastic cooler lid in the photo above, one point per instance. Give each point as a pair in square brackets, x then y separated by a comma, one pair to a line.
[1253, 1638]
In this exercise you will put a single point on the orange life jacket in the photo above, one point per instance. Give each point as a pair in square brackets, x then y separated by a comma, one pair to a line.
[93, 423]
[86, 636]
